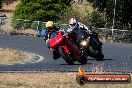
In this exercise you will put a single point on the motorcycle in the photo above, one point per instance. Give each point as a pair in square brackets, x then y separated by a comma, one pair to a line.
[89, 46]
[66, 49]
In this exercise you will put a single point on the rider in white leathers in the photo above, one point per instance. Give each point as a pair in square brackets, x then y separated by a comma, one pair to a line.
[75, 27]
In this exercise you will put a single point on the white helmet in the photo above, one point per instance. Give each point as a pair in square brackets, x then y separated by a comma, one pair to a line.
[73, 23]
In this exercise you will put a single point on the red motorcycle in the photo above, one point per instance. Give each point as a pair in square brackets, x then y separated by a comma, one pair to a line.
[60, 43]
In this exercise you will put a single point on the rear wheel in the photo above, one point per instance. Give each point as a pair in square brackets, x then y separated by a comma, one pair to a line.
[67, 58]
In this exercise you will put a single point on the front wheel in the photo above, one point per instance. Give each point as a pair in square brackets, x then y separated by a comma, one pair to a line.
[95, 54]
[83, 60]
[67, 58]
[100, 57]
[56, 55]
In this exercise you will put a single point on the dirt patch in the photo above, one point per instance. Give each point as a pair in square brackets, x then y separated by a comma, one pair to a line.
[10, 6]
[8, 55]
[28, 32]
[7, 28]
[7, 7]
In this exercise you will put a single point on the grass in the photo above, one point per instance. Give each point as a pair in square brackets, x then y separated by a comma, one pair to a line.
[8, 55]
[48, 80]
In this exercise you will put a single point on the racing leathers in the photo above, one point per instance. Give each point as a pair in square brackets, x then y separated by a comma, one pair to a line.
[73, 32]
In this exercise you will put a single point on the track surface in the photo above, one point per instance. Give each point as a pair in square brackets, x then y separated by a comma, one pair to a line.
[118, 56]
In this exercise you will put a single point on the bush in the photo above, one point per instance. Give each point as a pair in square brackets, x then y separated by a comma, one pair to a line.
[42, 10]
[17, 23]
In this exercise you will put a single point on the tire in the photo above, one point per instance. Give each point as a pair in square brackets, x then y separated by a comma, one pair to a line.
[38, 35]
[100, 57]
[67, 59]
[83, 60]
[92, 51]
[81, 80]
[56, 55]
[97, 55]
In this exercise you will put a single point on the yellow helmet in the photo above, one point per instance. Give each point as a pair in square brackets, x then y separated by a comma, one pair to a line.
[49, 24]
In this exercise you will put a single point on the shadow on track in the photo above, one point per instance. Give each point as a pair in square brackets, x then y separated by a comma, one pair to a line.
[108, 59]
[77, 64]
[103, 59]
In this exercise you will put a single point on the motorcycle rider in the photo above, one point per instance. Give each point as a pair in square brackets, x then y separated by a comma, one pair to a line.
[75, 27]
[50, 27]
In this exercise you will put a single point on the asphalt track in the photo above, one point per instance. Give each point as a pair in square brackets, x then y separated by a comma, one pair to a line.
[118, 56]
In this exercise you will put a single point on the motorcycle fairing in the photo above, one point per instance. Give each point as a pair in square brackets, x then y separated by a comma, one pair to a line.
[74, 50]
[56, 40]
[65, 48]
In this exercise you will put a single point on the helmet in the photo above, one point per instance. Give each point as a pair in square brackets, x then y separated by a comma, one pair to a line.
[49, 24]
[73, 23]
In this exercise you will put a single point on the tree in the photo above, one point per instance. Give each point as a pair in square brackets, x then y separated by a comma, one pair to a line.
[123, 16]
[97, 19]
